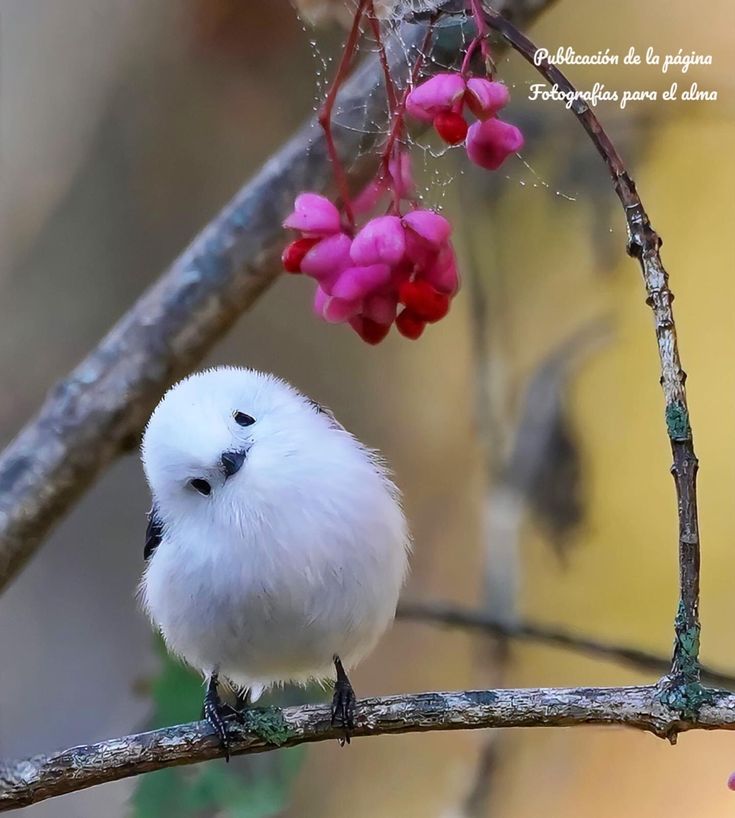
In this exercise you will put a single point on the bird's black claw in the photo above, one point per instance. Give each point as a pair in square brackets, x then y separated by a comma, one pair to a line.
[230, 712]
[344, 702]
[216, 712]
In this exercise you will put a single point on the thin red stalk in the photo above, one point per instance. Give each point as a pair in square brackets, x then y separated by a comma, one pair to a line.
[325, 114]
[468, 54]
[390, 88]
[398, 123]
[482, 30]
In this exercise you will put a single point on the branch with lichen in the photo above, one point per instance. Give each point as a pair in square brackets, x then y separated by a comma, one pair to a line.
[45, 776]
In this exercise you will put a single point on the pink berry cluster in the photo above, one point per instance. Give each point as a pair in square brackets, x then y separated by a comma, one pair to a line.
[442, 100]
[393, 262]
[399, 266]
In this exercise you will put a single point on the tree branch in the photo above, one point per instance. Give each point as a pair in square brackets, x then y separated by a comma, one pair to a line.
[45, 776]
[454, 616]
[644, 244]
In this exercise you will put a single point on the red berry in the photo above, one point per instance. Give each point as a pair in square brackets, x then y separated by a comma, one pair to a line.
[294, 254]
[410, 325]
[451, 126]
[424, 301]
[370, 331]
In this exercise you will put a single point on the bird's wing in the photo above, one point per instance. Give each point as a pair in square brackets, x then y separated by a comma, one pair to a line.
[153, 533]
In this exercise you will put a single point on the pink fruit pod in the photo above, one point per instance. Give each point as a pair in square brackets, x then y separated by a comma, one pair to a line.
[320, 302]
[314, 215]
[381, 241]
[339, 310]
[485, 97]
[491, 142]
[430, 226]
[327, 259]
[442, 274]
[439, 93]
[380, 308]
[334, 310]
[355, 283]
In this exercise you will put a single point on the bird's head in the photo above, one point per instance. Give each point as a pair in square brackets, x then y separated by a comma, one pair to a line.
[215, 432]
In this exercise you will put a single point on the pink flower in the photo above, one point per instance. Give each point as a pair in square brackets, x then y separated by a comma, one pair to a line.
[439, 93]
[430, 226]
[334, 310]
[381, 241]
[442, 273]
[490, 143]
[485, 97]
[381, 308]
[392, 260]
[328, 258]
[314, 215]
[441, 99]
[359, 282]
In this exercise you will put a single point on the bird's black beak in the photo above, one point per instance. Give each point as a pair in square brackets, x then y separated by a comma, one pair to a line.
[232, 462]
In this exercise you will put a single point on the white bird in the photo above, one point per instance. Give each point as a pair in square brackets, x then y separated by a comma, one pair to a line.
[276, 545]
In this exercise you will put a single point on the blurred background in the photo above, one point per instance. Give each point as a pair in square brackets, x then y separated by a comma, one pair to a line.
[525, 430]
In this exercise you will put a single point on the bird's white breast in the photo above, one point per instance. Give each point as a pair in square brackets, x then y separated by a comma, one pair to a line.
[302, 560]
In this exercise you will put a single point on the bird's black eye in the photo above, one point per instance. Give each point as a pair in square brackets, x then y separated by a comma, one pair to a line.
[243, 420]
[202, 486]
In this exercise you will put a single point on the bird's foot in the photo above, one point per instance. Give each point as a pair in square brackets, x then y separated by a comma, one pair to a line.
[343, 703]
[217, 712]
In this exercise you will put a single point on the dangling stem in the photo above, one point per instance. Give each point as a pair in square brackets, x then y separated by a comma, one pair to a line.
[469, 54]
[400, 110]
[390, 88]
[325, 113]
[482, 32]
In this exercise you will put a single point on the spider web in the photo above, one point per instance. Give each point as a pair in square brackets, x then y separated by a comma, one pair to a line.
[433, 173]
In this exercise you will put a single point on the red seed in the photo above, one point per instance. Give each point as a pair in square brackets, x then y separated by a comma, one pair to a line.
[294, 254]
[410, 325]
[424, 301]
[451, 126]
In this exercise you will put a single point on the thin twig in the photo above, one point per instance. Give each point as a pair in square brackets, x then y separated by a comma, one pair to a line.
[326, 111]
[45, 776]
[644, 244]
[390, 88]
[455, 616]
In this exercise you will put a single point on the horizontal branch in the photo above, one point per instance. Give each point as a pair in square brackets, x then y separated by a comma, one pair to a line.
[45, 776]
[454, 616]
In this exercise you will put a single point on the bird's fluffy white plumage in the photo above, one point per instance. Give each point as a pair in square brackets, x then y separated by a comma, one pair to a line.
[297, 557]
